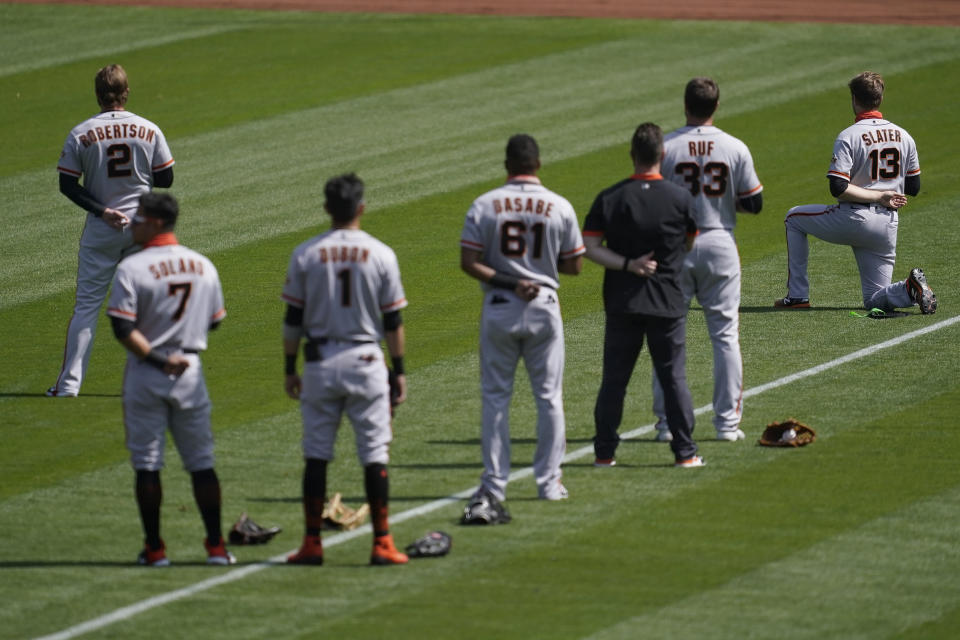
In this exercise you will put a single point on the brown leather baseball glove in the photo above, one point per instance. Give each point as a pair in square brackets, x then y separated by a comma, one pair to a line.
[789, 433]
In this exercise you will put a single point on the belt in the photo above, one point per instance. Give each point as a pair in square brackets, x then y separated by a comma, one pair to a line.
[311, 349]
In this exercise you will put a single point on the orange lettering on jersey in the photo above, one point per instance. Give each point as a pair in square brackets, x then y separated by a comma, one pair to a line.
[518, 204]
[497, 207]
[153, 270]
[529, 208]
[149, 136]
[99, 133]
[84, 140]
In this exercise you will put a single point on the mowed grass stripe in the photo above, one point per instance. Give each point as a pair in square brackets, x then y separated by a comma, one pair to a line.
[257, 180]
[583, 452]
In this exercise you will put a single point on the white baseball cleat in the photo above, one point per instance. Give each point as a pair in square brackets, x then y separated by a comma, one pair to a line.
[731, 435]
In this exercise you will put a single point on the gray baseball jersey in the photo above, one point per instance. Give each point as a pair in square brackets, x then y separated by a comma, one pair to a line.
[522, 229]
[173, 295]
[116, 153]
[718, 170]
[873, 153]
[345, 280]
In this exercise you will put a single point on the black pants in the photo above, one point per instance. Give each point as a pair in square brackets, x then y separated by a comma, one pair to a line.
[623, 339]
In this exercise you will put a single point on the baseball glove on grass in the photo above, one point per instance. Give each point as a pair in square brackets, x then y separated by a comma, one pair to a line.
[340, 517]
[246, 531]
[431, 545]
[789, 433]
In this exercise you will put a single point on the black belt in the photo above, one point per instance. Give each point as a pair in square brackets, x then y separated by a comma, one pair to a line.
[191, 351]
[311, 349]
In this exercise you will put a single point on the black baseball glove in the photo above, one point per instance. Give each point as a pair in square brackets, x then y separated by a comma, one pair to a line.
[431, 545]
[246, 531]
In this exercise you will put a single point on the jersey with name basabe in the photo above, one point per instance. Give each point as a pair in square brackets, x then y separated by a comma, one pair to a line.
[117, 153]
[522, 229]
[344, 280]
[715, 167]
[171, 293]
[874, 153]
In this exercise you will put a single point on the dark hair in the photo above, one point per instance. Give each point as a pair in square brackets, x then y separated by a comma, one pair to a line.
[523, 155]
[867, 89]
[111, 85]
[701, 97]
[646, 147]
[162, 206]
[344, 195]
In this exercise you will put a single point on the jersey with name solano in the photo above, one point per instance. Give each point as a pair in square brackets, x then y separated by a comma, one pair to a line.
[171, 293]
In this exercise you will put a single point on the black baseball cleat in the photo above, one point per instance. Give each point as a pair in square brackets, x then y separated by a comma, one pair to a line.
[920, 292]
[484, 508]
[792, 303]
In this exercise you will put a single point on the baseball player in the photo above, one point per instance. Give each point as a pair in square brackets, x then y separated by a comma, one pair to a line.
[516, 239]
[164, 301]
[120, 157]
[343, 295]
[718, 170]
[874, 164]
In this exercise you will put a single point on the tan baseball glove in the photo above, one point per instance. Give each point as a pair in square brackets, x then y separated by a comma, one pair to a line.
[340, 517]
[789, 433]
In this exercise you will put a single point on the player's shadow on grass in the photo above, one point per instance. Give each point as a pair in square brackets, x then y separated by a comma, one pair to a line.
[44, 395]
[125, 564]
[475, 442]
[772, 309]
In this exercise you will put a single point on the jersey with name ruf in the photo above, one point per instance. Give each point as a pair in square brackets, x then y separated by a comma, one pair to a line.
[117, 153]
[523, 229]
[715, 167]
[344, 280]
[874, 153]
[171, 293]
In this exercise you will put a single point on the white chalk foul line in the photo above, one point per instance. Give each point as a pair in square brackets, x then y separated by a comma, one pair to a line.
[239, 573]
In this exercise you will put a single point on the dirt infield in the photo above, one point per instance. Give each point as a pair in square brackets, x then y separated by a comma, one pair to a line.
[925, 12]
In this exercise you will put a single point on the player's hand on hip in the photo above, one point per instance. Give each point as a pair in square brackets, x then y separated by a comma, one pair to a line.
[176, 365]
[892, 199]
[114, 218]
[527, 289]
[292, 385]
[644, 266]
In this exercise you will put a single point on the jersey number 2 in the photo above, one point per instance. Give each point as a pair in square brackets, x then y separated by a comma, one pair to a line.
[118, 164]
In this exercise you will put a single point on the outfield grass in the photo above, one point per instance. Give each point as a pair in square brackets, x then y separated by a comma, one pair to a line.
[259, 109]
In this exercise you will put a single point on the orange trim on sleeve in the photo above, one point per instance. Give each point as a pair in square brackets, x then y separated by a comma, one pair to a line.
[297, 302]
[574, 252]
[756, 189]
[113, 311]
[163, 166]
[839, 174]
[397, 304]
[219, 315]
[70, 172]
[471, 245]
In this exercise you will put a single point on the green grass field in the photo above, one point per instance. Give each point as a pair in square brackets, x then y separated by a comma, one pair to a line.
[857, 536]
